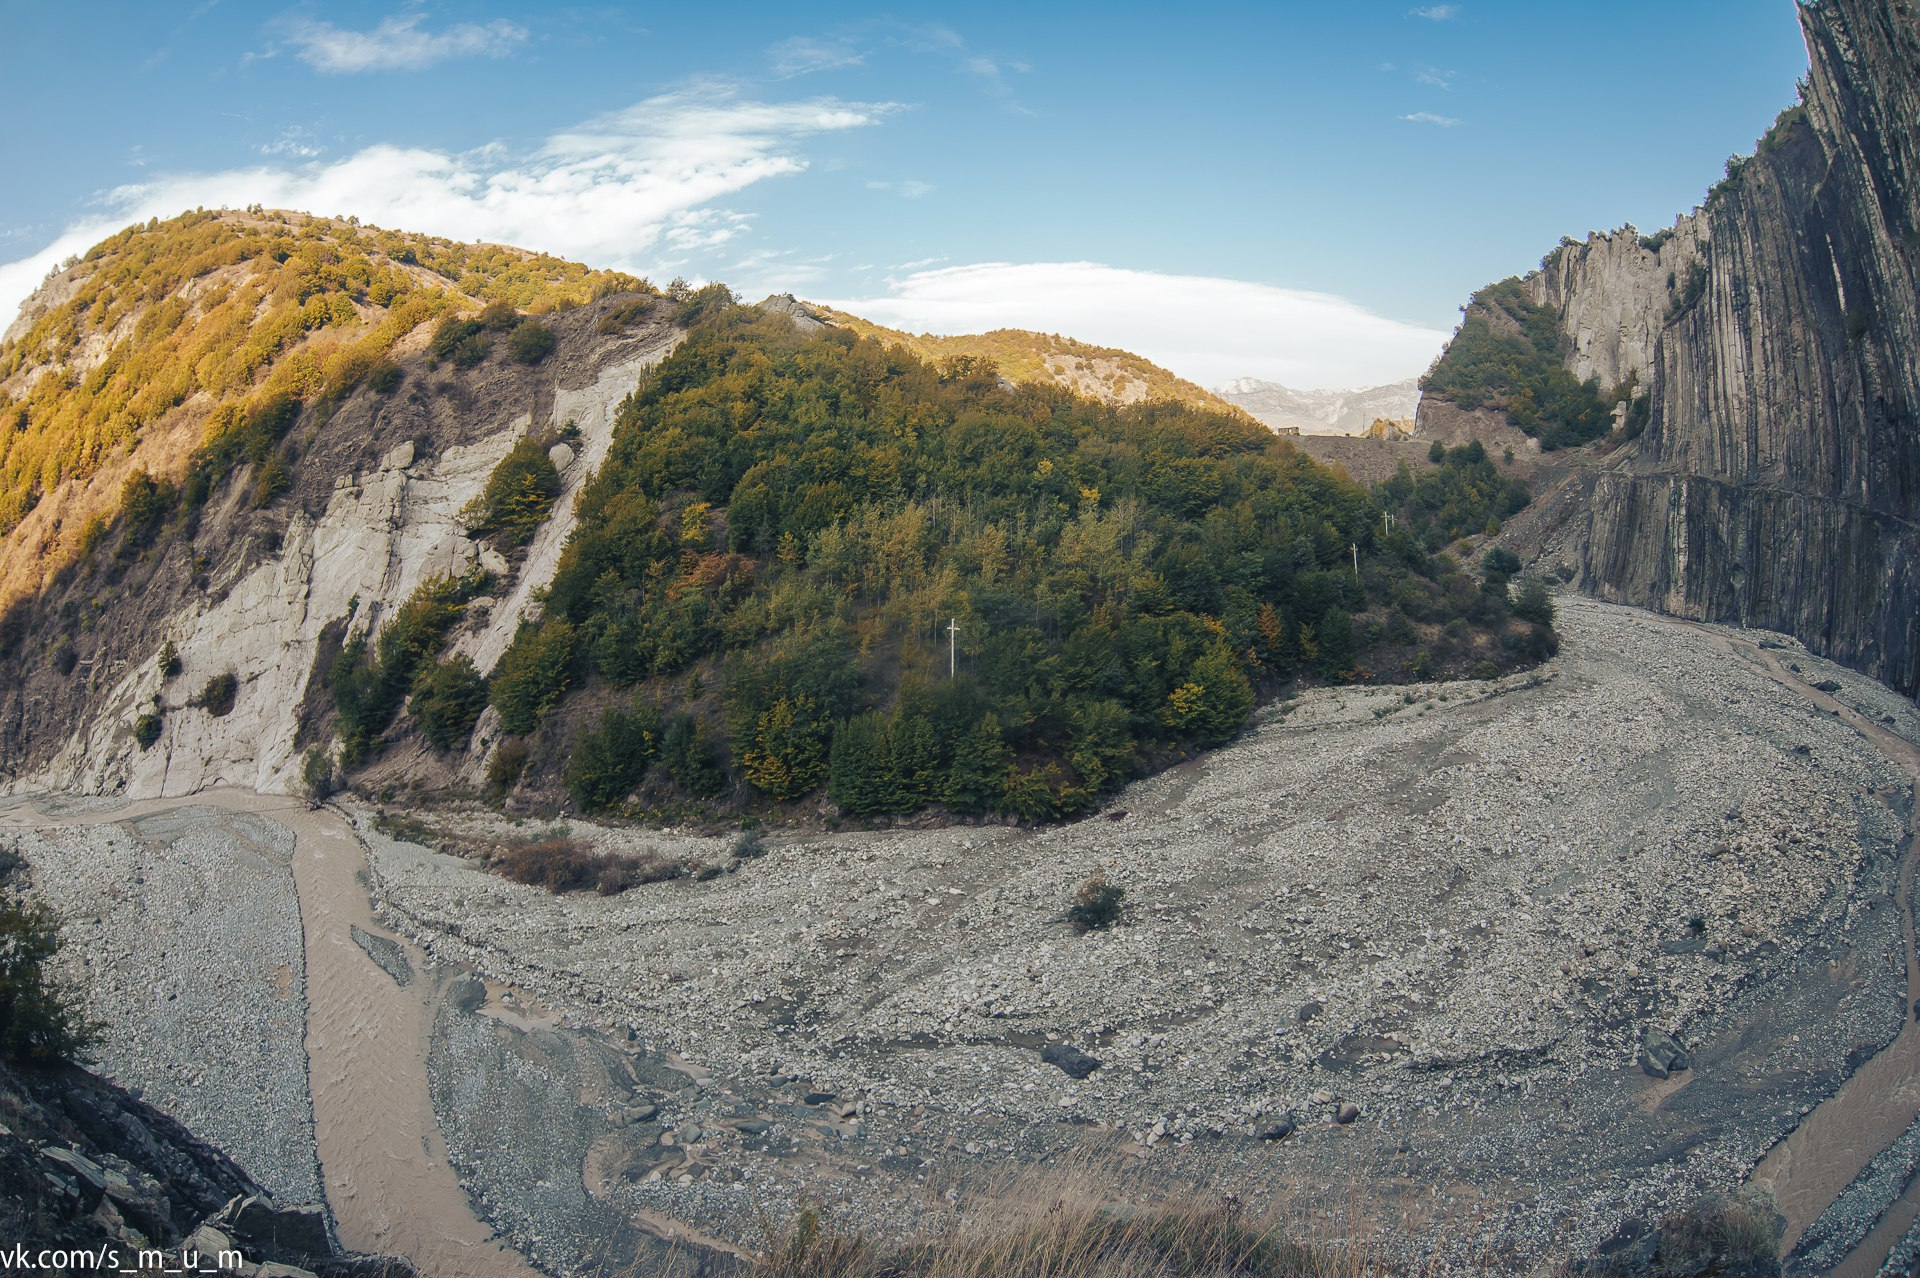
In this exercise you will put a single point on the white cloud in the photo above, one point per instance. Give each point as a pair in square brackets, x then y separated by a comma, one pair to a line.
[1436, 12]
[398, 44]
[1207, 330]
[1428, 117]
[632, 190]
[1436, 78]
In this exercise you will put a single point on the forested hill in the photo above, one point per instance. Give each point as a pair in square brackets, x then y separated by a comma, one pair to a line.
[180, 351]
[756, 603]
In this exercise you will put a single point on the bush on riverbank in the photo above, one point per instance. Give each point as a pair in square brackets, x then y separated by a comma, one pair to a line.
[40, 1019]
[560, 864]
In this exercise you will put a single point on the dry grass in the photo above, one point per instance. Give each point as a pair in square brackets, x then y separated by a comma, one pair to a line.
[1073, 1233]
[560, 864]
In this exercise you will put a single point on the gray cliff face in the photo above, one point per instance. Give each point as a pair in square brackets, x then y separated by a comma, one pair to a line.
[1778, 481]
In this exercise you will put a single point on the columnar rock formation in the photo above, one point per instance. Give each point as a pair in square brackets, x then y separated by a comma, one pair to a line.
[1777, 331]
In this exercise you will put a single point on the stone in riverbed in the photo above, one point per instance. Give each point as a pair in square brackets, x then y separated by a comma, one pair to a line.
[1071, 1061]
[466, 994]
[1660, 1055]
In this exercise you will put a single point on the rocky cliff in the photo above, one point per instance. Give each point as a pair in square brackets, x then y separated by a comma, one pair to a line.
[1776, 334]
[87, 1167]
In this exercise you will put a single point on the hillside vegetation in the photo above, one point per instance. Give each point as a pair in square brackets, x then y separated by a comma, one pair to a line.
[1048, 359]
[1509, 355]
[758, 598]
[221, 328]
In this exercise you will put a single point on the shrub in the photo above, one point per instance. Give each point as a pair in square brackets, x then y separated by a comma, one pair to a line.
[448, 697]
[750, 845]
[788, 755]
[1335, 635]
[625, 316]
[275, 478]
[146, 729]
[608, 761]
[1097, 906]
[518, 497]
[498, 316]
[530, 343]
[145, 504]
[454, 333]
[504, 768]
[40, 1020]
[218, 696]
[169, 661]
[531, 675]
[1684, 295]
[564, 865]
[385, 377]
[1532, 602]
[689, 757]
[316, 773]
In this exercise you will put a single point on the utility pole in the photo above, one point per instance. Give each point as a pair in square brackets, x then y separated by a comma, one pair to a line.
[1356, 561]
[953, 636]
[1386, 520]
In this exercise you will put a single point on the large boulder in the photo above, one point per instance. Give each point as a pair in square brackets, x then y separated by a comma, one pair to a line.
[1661, 1055]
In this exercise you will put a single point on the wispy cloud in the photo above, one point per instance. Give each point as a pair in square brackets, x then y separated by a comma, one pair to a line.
[804, 55]
[296, 142]
[638, 189]
[851, 45]
[1207, 329]
[1435, 78]
[905, 188]
[1428, 117]
[776, 271]
[400, 44]
[1436, 12]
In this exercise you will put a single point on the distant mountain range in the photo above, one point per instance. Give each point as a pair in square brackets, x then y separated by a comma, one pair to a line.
[1321, 412]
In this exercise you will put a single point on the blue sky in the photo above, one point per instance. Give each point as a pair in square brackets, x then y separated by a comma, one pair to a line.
[1305, 192]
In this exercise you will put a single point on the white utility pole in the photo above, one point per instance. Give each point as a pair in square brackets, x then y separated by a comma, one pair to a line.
[953, 635]
[1356, 561]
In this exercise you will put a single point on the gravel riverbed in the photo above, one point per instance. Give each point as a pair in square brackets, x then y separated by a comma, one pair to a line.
[183, 929]
[1449, 914]
[1457, 908]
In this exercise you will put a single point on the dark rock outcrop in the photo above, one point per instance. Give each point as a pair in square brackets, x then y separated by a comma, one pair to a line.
[86, 1165]
[1777, 332]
